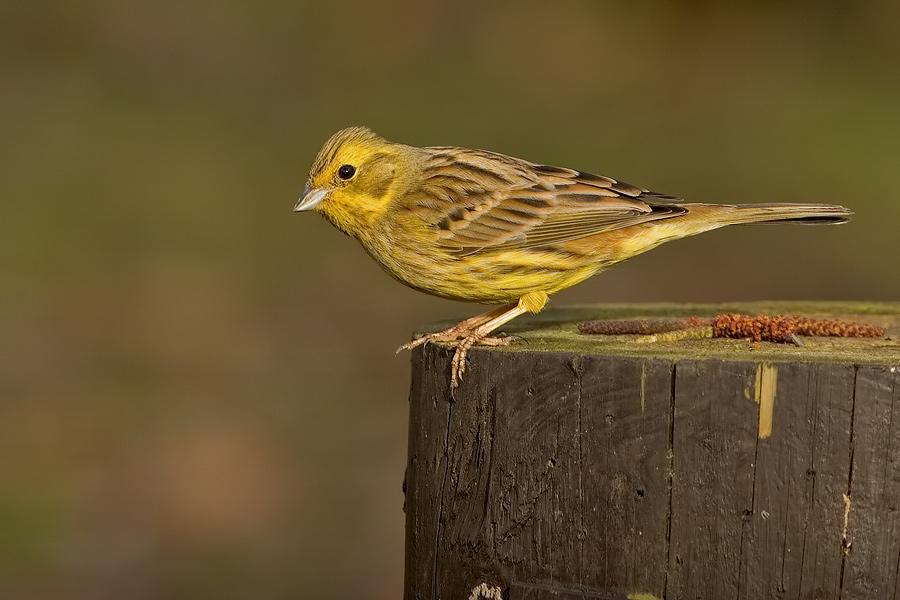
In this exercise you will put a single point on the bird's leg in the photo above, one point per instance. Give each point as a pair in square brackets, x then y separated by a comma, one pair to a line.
[459, 331]
[479, 335]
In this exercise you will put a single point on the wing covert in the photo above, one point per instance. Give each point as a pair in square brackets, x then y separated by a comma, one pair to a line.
[480, 200]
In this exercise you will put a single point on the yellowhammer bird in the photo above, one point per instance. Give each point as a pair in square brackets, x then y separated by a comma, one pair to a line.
[483, 227]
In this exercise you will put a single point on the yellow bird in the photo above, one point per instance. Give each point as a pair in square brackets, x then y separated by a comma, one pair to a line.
[480, 226]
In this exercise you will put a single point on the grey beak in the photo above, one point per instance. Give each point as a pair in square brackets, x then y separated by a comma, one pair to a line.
[309, 199]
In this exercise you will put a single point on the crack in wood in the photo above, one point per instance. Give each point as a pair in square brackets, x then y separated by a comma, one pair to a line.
[812, 385]
[845, 544]
[670, 472]
[896, 575]
[578, 369]
[441, 499]
[765, 381]
[492, 402]
[895, 397]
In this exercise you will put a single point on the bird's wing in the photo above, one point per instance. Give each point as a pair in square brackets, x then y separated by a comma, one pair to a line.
[479, 200]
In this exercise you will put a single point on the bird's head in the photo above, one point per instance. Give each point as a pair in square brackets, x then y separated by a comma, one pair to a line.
[355, 176]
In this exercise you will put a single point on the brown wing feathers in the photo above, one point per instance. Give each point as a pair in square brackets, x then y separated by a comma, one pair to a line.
[484, 200]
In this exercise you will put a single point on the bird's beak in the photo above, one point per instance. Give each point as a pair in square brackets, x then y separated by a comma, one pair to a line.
[309, 199]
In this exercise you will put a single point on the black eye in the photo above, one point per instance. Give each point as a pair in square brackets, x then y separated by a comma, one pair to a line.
[346, 171]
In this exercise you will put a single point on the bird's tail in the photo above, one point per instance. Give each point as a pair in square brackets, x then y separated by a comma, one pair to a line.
[809, 214]
[697, 218]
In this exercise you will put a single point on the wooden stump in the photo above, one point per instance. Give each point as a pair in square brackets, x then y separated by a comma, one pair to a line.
[569, 466]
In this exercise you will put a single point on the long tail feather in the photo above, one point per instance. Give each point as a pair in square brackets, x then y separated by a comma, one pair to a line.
[809, 214]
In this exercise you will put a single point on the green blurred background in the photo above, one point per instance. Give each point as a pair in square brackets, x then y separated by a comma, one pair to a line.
[199, 396]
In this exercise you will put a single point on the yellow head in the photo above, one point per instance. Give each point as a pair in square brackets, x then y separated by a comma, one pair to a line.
[355, 176]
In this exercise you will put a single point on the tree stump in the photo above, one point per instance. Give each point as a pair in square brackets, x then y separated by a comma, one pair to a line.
[571, 466]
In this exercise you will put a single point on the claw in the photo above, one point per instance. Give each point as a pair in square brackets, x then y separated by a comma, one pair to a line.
[458, 365]
[467, 334]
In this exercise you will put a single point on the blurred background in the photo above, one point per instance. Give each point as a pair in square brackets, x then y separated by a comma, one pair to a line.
[199, 396]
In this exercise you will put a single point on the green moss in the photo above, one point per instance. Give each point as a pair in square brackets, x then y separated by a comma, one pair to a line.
[555, 330]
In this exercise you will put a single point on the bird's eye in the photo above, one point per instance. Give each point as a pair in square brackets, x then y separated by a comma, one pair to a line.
[346, 171]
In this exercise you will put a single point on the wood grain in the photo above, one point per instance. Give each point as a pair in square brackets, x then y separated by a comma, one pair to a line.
[560, 474]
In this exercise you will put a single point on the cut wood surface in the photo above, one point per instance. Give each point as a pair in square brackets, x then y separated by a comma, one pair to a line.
[576, 466]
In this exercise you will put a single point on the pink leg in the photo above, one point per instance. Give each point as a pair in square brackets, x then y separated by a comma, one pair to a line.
[459, 331]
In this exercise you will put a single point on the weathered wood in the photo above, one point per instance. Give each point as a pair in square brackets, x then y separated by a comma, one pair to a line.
[522, 591]
[569, 467]
[799, 480]
[873, 526]
[428, 456]
[625, 464]
[714, 449]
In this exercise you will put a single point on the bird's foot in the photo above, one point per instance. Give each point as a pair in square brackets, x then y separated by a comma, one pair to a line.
[448, 335]
[458, 365]
[470, 332]
[457, 332]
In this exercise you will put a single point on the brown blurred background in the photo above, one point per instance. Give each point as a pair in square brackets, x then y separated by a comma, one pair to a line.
[199, 396]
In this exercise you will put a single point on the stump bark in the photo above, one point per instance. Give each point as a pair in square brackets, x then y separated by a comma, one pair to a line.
[568, 466]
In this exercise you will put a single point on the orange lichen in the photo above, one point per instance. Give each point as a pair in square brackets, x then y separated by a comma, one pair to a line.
[761, 328]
